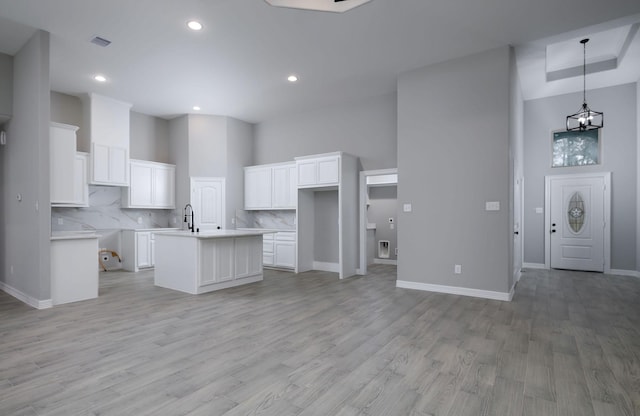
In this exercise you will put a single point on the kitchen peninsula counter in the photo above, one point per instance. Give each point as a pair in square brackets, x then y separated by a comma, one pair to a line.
[209, 260]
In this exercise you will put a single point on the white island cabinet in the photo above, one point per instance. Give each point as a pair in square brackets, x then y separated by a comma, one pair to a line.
[203, 262]
[74, 267]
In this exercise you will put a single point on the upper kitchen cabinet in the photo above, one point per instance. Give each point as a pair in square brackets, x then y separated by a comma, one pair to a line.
[270, 187]
[152, 185]
[68, 173]
[318, 170]
[108, 125]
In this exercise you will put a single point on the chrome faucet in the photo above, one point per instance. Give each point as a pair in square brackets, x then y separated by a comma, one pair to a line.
[189, 217]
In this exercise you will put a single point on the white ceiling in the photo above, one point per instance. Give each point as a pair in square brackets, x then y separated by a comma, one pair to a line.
[238, 64]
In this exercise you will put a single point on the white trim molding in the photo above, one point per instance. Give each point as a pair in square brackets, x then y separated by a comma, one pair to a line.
[456, 290]
[533, 266]
[620, 272]
[326, 267]
[385, 261]
[23, 297]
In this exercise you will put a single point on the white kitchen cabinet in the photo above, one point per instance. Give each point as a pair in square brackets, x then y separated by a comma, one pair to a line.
[257, 187]
[271, 186]
[337, 174]
[62, 163]
[109, 165]
[216, 261]
[321, 170]
[108, 124]
[74, 268]
[203, 262]
[285, 186]
[267, 250]
[152, 185]
[68, 169]
[247, 257]
[137, 250]
[279, 250]
[80, 183]
[285, 250]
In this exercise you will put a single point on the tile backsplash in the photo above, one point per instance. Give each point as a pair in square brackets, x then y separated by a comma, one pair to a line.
[273, 219]
[105, 213]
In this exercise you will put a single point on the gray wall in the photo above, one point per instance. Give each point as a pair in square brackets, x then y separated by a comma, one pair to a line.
[239, 154]
[365, 128]
[453, 156]
[6, 84]
[211, 146]
[325, 236]
[618, 155]
[179, 156]
[25, 171]
[207, 146]
[383, 204]
[149, 138]
[67, 109]
[638, 177]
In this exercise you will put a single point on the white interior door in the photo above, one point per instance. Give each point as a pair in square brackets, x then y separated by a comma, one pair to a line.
[207, 200]
[577, 221]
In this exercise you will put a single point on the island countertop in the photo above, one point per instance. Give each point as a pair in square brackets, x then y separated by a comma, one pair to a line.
[213, 233]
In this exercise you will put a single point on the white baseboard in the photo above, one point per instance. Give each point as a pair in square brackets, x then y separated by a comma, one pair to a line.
[29, 300]
[620, 272]
[326, 267]
[385, 261]
[455, 290]
[533, 266]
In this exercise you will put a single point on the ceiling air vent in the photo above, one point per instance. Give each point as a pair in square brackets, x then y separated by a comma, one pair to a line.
[97, 40]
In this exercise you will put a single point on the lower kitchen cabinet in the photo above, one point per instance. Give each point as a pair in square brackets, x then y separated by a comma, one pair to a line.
[137, 250]
[279, 250]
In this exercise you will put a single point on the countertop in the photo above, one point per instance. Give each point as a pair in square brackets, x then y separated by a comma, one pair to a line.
[270, 230]
[73, 235]
[214, 233]
[152, 229]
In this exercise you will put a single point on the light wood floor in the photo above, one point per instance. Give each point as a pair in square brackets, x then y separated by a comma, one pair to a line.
[309, 344]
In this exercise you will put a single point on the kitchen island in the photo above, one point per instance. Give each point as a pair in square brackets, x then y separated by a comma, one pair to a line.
[206, 261]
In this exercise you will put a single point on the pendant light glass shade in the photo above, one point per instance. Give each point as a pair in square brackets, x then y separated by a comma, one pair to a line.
[585, 118]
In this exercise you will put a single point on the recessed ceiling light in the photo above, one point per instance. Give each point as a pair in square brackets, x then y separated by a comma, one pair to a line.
[194, 25]
[100, 78]
[196, 108]
[292, 78]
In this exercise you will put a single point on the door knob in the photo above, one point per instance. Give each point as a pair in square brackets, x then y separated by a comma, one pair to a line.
[516, 232]
[553, 231]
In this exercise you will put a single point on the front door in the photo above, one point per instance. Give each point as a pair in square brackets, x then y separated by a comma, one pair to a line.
[207, 199]
[576, 221]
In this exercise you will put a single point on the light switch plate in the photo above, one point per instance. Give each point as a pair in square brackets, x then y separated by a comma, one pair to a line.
[406, 208]
[539, 210]
[492, 206]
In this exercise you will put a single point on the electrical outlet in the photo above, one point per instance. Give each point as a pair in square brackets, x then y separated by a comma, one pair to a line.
[457, 269]
[60, 221]
[11, 270]
[139, 220]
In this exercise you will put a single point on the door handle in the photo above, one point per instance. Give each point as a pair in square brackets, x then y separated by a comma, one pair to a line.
[516, 232]
[553, 231]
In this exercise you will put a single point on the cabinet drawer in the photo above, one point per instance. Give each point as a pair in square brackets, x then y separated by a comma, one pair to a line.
[285, 236]
[267, 259]
[267, 246]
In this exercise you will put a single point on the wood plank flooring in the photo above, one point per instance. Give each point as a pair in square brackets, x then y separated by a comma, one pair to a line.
[309, 344]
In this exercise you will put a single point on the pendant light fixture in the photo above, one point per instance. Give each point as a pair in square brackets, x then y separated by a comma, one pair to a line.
[585, 118]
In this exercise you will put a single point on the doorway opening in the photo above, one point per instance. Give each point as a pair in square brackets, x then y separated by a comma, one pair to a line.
[378, 215]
